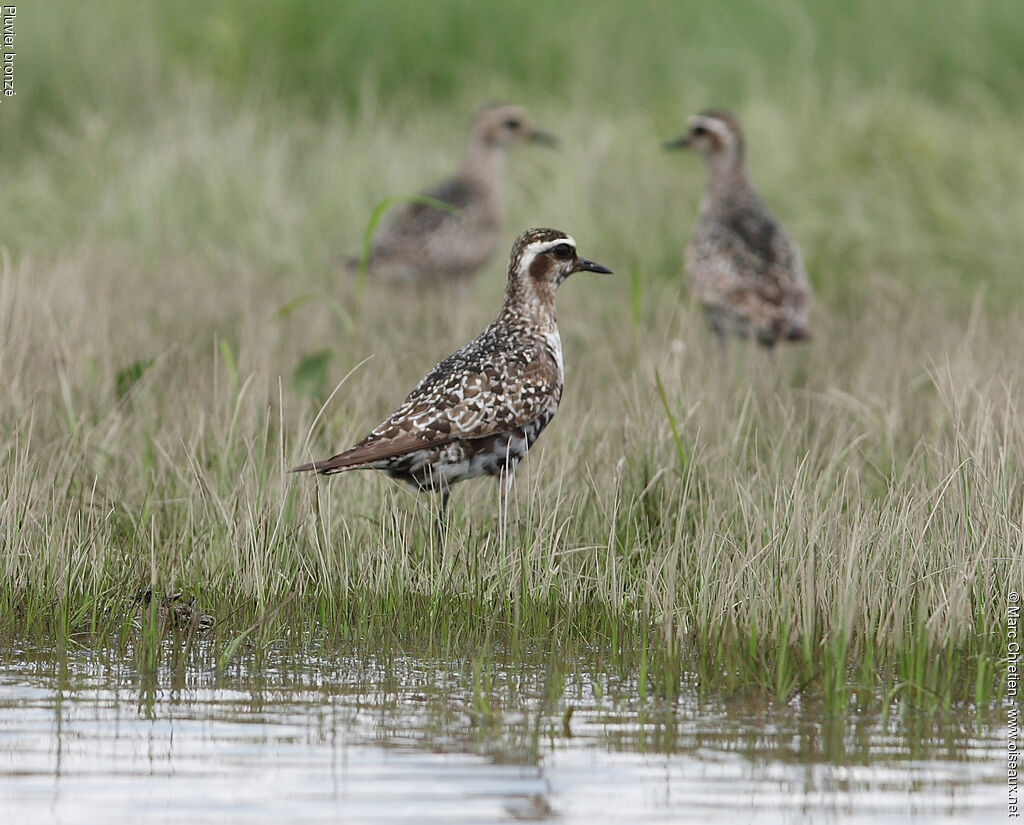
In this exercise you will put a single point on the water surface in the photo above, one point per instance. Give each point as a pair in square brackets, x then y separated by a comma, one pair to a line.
[87, 738]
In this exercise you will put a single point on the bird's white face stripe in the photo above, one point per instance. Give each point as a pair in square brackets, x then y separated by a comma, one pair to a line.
[537, 247]
[712, 124]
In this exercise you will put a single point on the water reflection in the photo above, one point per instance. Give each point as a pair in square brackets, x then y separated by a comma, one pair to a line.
[87, 738]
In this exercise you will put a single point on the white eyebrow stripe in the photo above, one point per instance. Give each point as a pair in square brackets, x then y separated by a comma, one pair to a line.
[537, 247]
[712, 124]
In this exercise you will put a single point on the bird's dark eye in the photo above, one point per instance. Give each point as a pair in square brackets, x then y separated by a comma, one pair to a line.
[699, 130]
[563, 250]
[513, 124]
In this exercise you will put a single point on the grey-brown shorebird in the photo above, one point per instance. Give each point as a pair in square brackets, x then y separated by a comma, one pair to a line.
[744, 268]
[173, 612]
[479, 411]
[423, 243]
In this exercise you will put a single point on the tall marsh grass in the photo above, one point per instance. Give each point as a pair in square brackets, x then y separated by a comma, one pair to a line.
[845, 519]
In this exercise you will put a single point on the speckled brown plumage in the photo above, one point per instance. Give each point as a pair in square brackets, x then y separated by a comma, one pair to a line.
[480, 410]
[744, 269]
[418, 242]
[173, 612]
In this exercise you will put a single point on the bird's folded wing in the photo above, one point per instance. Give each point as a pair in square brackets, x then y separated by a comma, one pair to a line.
[369, 452]
[419, 217]
[467, 396]
[738, 276]
[474, 405]
[478, 417]
[767, 256]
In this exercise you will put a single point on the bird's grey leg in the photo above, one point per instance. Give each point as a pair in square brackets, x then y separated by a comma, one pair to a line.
[502, 502]
[717, 326]
[766, 342]
[440, 524]
[504, 486]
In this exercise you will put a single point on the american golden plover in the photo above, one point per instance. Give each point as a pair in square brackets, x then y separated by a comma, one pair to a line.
[423, 243]
[478, 412]
[744, 268]
[173, 612]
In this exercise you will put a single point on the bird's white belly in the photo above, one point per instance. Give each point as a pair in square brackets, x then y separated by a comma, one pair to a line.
[554, 344]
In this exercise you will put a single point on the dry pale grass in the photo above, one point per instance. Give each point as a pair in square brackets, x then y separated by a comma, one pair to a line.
[845, 513]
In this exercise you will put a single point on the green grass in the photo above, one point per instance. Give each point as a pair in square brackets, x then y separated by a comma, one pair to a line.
[844, 520]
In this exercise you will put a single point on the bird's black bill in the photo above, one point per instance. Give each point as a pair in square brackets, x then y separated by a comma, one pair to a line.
[679, 143]
[582, 264]
[546, 138]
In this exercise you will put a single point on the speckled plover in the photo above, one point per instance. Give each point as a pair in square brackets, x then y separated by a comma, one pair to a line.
[422, 243]
[744, 268]
[478, 412]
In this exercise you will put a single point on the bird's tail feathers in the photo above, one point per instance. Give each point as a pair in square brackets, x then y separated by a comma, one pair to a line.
[798, 333]
[330, 466]
[371, 453]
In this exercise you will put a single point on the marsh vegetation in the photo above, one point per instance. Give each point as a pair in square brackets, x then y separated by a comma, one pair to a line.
[842, 521]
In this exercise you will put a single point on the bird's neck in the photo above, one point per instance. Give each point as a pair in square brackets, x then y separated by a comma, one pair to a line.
[531, 302]
[484, 163]
[727, 178]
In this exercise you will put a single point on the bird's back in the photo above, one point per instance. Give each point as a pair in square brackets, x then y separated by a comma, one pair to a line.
[420, 241]
[504, 377]
[475, 413]
[747, 271]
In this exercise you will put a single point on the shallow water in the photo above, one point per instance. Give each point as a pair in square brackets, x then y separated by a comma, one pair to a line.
[86, 738]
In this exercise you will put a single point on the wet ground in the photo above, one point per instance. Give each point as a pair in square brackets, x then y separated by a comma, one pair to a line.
[86, 738]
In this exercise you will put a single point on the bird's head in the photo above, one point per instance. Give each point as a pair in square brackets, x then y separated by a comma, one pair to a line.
[544, 258]
[503, 124]
[715, 134]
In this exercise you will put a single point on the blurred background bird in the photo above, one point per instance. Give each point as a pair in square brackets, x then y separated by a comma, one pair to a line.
[744, 269]
[451, 230]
